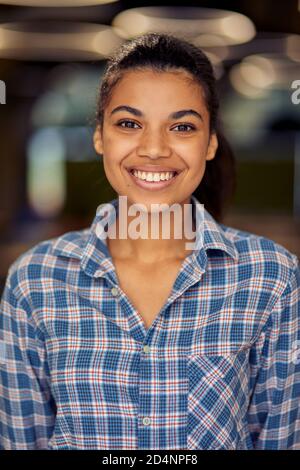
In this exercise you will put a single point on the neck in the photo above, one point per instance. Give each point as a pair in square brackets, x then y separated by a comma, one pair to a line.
[152, 237]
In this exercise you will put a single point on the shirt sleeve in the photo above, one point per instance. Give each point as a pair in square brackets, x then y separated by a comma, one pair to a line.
[27, 409]
[274, 411]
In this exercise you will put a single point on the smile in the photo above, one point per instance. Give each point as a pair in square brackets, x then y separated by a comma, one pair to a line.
[152, 180]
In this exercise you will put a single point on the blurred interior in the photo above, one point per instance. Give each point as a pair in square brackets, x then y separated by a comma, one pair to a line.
[52, 55]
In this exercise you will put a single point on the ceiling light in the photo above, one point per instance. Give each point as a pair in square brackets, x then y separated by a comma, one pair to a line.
[56, 3]
[57, 40]
[192, 22]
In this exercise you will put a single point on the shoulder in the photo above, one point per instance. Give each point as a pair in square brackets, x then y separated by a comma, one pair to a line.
[264, 257]
[45, 259]
[251, 244]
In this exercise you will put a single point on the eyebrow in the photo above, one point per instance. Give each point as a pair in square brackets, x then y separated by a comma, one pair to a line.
[174, 115]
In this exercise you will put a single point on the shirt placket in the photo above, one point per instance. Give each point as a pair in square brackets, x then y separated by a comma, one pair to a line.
[158, 408]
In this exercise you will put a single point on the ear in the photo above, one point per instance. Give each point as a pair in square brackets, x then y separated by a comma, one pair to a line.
[98, 142]
[212, 147]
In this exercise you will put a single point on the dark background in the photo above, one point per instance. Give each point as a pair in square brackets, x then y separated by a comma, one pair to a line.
[264, 132]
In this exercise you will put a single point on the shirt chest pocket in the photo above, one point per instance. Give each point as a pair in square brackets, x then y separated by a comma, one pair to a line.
[217, 401]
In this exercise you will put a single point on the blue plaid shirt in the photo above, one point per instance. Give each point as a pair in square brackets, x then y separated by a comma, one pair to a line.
[219, 368]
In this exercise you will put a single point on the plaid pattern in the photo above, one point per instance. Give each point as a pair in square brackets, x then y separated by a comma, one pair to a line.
[220, 369]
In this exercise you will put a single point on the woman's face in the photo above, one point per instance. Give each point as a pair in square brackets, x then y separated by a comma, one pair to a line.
[149, 138]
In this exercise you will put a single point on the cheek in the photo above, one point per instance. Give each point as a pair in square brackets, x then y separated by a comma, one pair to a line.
[112, 163]
[196, 164]
[116, 150]
[195, 158]
[192, 149]
[111, 167]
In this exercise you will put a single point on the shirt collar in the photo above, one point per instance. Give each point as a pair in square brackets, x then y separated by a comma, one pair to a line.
[94, 255]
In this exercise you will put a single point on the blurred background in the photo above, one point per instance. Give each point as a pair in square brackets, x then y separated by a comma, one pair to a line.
[52, 55]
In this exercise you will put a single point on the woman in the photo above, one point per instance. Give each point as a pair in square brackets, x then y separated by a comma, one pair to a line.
[117, 341]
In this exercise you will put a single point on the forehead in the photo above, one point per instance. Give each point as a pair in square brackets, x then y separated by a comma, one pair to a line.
[158, 90]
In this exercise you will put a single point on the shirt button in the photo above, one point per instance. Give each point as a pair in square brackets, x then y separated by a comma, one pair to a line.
[114, 291]
[146, 421]
[146, 349]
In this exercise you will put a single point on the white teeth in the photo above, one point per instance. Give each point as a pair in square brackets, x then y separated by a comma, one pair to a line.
[148, 176]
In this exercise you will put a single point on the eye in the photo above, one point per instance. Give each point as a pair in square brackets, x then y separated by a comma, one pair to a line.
[192, 128]
[126, 121]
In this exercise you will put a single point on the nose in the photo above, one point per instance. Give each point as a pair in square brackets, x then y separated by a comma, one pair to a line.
[153, 144]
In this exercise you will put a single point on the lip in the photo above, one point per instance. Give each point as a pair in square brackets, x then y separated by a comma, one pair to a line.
[153, 168]
[151, 185]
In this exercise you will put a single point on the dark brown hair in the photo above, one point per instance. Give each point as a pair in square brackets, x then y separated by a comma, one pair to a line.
[165, 52]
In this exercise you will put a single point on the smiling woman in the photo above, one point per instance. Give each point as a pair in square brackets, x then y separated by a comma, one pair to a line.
[170, 136]
[160, 82]
[136, 341]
